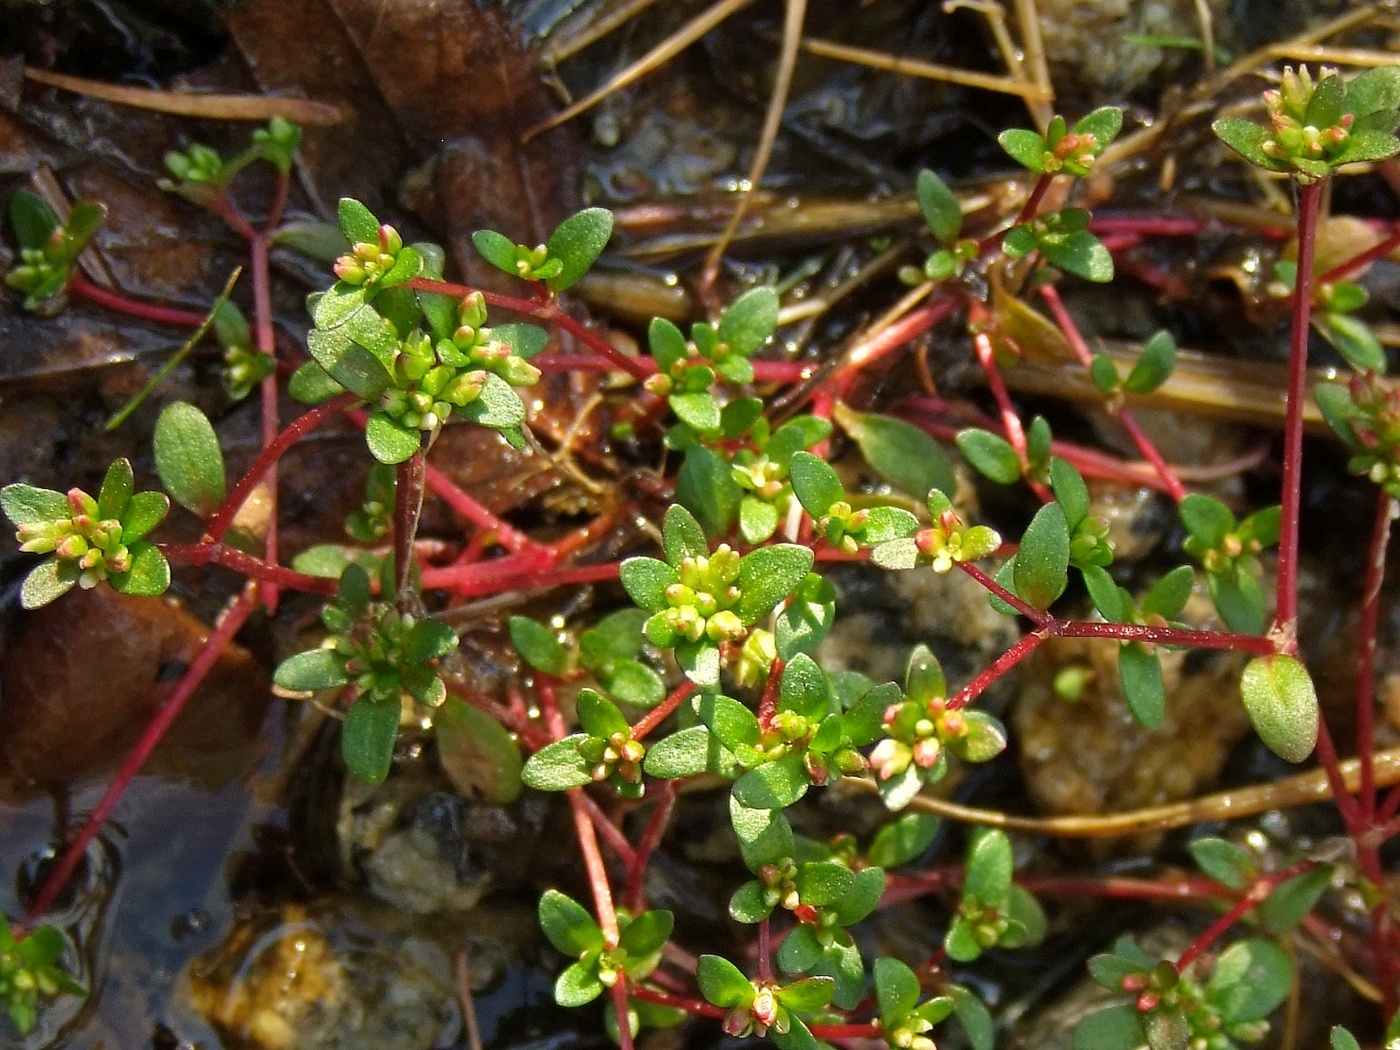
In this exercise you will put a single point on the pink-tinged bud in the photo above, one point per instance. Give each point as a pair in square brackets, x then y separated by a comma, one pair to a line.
[892, 712]
[805, 913]
[737, 1022]
[765, 1007]
[953, 724]
[1148, 1001]
[926, 753]
[1134, 982]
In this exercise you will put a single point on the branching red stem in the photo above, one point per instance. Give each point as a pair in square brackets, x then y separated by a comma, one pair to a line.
[122, 304]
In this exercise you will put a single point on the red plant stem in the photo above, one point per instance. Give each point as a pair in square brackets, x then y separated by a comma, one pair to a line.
[646, 845]
[768, 702]
[1120, 888]
[662, 711]
[224, 630]
[279, 203]
[519, 572]
[1010, 420]
[1357, 261]
[470, 510]
[765, 950]
[546, 310]
[95, 293]
[763, 371]
[869, 1030]
[1147, 225]
[1390, 808]
[694, 1007]
[1030, 612]
[1081, 350]
[209, 552]
[887, 340]
[597, 871]
[1341, 797]
[1286, 604]
[1365, 680]
[618, 993]
[997, 668]
[408, 505]
[1132, 632]
[268, 390]
[1257, 893]
[1089, 462]
[516, 721]
[294, 432]
[613, 837]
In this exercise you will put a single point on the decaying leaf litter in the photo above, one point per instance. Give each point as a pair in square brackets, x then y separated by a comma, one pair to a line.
[438, 138]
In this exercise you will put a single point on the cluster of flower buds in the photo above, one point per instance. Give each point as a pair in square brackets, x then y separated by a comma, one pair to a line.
[948, 541]
[198, 165]
[1292, 136]
[618, 756]
[472, 346]
[93, 544]
[1376, 427]
[918, 731]
[366, 263]
[702, 601]
[426, 389]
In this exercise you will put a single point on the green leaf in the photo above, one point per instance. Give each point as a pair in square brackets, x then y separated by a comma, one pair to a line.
[1141, 675]
[321, 241]
[29, 505]
[1292, 899]
[1353, 339]
[311, 670]
[498, 406]
[734, 726]
[539, 645]
[633, 682]
[807, 618]
[1025, 147]
[357, 222]
[497, 249]
[524, 340]
[990, 455]
[568, 924]
[1247, 139]
[722, 983]
[1375, 91]
[578, 985]
[700, 662]
[748, 905]
[1108, 598]
[117, 487]
[599, 716]
[807, 995]
[1104, 373]
[1206, 518]
[1155, 365]
[311, 384]
[765, 836]
[815, 483]
[577, 242]
[767, 576]
[1103, 123]
[149, 574]
[861, 899]
[1117, 1028]
[903, 841]
[699, 410]
[682, 536]
[774, 785]
[1167, 1028]
[1080, 253]
[758, 519]
[667, 344]
[1239, 599]
[705, 486]
[972, 1014]
[941, 209]
[1226, 863]
[823, 883]
[558, 766]
[686, 753]
[896, 990]
[1278, 693]
[85, 218]
[480, 758]
[800, 951]
[1027, 922]
[367, 739]
[989, 866]
[645, 580]
[646, 933]
[32, 219]
[143, 512]
[749, 321]
[1250, 980]
[390, 441]
[188, 458]
[804, 688]
[924, 680]
[901, 453]
[961, 942]
[1341, 1039]
[1042, 561]
[1169, 594]
[1070, 491]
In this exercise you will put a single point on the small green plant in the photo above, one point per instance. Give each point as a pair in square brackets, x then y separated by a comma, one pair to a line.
[30, 971]
[48, 249]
